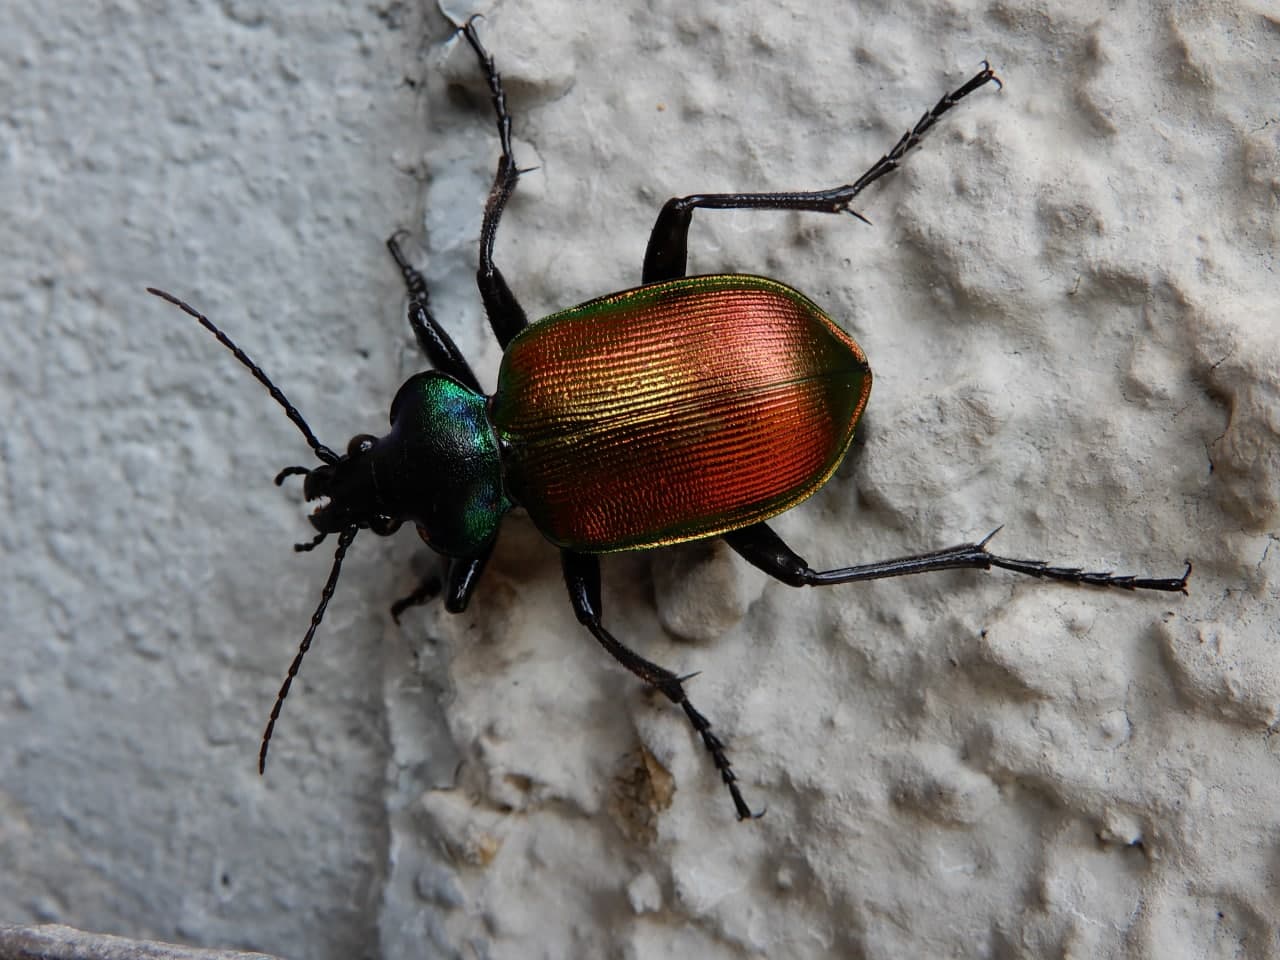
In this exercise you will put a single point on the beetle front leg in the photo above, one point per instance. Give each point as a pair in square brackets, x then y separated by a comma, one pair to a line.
[666, 255]
[426, 591]
[464, 574]
[765, 550]
[506, 316]
[438, 347]
[582, 577]
[460, 583]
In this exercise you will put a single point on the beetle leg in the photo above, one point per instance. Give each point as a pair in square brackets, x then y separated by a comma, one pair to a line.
[665, 256]
[506, 316]
[439, 348]
[464, 574]
[582, 577]
[460, 583]
[764, 549]
[425, 592]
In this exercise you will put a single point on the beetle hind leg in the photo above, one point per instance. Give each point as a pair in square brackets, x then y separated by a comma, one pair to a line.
[582, 577]
[764, 549]
[666, 255]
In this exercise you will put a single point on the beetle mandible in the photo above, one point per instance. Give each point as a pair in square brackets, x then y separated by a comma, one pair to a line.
[683, 409]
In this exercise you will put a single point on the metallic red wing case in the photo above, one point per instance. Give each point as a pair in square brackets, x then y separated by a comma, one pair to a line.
[675, 411]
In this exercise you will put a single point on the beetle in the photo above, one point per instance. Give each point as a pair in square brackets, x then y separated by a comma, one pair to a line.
[682, 409]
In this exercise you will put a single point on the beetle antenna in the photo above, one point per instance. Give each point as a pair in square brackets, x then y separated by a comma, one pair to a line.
[321, 451]
[344, 541]
[291, 472]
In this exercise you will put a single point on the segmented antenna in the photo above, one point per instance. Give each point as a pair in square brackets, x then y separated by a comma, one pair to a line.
[344, 541]
[322, 452]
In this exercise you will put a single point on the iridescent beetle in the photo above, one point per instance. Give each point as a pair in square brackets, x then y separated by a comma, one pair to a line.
[683, 409]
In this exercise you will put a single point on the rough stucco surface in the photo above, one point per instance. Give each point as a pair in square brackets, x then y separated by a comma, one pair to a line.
[1069, 300]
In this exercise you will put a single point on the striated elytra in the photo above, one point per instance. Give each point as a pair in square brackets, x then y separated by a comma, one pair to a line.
[675, 411]
[685, 408]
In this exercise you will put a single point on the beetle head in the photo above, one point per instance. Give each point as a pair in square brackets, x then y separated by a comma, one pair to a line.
[347, 491]
[437, 468]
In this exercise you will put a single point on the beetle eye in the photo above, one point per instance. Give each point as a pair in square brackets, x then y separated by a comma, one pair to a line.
[361, 443]
[384, 525]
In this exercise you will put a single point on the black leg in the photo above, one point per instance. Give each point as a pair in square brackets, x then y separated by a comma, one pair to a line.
[425, 592]
[763, 548]
[464, 574]
[460, 583]
[506, 316]
[664, 258]
[440, 350]
[582, 577]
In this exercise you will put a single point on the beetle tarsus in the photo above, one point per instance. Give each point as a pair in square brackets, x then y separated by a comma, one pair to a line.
[426, 591]
[413, 279]
[1093, 578]
[716, 748]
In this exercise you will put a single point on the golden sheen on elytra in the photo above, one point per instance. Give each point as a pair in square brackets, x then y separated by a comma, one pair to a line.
[675, 411]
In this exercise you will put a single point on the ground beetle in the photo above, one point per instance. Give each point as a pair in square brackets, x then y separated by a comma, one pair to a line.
[683, 409]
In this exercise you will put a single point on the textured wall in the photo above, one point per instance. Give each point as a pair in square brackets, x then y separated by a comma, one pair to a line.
[1068, 299]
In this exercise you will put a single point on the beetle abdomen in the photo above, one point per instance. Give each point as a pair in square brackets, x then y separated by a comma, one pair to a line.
[675, 411]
